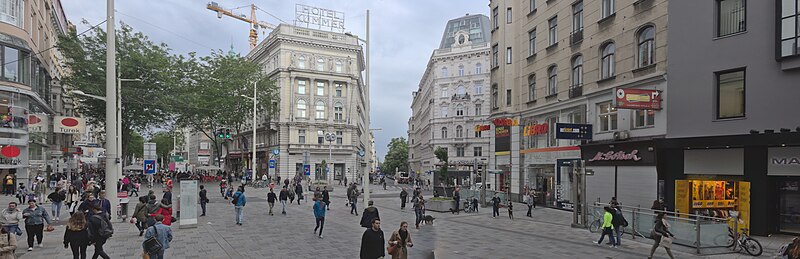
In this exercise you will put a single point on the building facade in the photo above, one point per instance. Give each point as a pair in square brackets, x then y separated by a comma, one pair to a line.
[733, 140]
[556, 62]
[452, 100]
[322, 91]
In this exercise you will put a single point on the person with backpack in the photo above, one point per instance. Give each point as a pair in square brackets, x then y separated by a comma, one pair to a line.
[162, 234]
[608, 217]
[76, 235]
[284, 196]
[35, 217]
[354, 200]
[100, 230]
[370, 212]
[239, 200]
[618, 222]
[271, 200]
[140, 214]
[319, 215]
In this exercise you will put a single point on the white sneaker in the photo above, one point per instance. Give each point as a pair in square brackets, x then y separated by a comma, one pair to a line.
[41, 245]
[320, 236]
[30, 248]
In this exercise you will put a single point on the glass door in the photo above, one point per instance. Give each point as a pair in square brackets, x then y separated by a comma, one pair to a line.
[789, 208]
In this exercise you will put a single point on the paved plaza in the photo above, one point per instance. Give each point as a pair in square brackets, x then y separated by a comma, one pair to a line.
[468, 235]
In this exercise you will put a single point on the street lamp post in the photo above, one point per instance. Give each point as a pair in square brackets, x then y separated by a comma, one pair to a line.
[253, 157]
[111, 92]
[330, 137]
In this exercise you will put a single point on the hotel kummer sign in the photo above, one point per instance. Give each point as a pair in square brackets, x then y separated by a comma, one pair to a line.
[502, 138]
[311, 16]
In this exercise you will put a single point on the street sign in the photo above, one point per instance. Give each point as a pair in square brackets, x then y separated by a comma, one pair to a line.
[573, 131]
[307, 169]
[272, 163]
[149, 166]
[276, 152]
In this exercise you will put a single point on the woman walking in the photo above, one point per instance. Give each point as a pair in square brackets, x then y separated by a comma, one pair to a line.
[401, 240]
[607, 227]
[166, 211]
[659, 234]
[77, 236]
[56, 198]
[8, 244]
[35, 217]
[140, 213]
[72, 199]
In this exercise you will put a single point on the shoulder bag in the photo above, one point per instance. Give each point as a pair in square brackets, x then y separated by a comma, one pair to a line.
[152, 245]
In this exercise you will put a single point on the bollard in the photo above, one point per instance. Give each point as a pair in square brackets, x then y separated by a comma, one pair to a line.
[697, 232]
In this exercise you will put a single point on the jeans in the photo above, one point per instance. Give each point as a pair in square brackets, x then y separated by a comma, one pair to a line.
[203, 206]
[530, 207]
[98, 249]
[353, 206]
[13, 228]
[495, 211]
[158, 255]
[320, 225]
[618, 231]
[34, 231]
[402, 204]
[418, 213]
[607, 231]
[56, 209]
[271, 204]
[458, 202]
[239, 214]
[78, 251]
[283, 208]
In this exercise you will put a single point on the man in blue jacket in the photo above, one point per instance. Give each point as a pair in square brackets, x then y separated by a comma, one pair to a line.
[319, 214]
[163, 234]
[239, 201]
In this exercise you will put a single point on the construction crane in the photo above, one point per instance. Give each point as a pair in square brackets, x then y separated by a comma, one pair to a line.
[254, 23]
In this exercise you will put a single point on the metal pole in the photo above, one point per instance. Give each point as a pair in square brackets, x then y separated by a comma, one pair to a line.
[253, 159]
[111, 113]
[330, 158]
[365, 177]
[697, 234]
[119, 126]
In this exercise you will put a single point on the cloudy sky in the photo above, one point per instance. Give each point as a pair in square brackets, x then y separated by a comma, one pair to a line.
[404, 34]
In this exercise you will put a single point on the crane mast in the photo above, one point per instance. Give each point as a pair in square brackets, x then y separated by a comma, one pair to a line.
[255, 24]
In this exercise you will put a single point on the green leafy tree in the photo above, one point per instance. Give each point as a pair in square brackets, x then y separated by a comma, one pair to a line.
[135, 146]
[397, 157]
[441, 154]
[164, 143]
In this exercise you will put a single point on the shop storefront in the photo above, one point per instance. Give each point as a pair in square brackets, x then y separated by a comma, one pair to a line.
[626, 170]
[784, 170]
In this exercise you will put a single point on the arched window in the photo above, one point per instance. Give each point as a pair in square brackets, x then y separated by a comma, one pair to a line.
[459, 110]
[338, 110]
[320, 110]
[338, 66]
[444, 132]
[552, 80]
[321, 64]
[460, 70]
[607, 60]
[646, 47]
[301, 61]
[478, 68]
[444, 72]
[577, 71]
[301, 108]
[459, 131]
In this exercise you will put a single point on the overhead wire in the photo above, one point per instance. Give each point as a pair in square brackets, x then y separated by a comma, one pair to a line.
[166, 30]
[54, 46]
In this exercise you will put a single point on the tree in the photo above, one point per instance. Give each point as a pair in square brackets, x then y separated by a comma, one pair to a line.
[441, 154]
[135, 146]
[397, 157]
[164, 143]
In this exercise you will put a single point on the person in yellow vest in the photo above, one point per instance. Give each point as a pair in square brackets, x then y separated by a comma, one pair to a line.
[8, 185]
[607, 227]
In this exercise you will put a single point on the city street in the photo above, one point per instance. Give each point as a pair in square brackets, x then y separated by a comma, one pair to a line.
[468, 235]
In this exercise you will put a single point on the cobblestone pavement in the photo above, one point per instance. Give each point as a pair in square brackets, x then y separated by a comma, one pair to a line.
[468, 235]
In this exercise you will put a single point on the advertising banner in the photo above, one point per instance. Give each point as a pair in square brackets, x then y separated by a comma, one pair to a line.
[637, 99]
[502, 139]
[188, 204]
[573, 131]
[38, 123]
[69, 125]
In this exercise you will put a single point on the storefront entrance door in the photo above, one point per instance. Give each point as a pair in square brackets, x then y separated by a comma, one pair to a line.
[789, 209]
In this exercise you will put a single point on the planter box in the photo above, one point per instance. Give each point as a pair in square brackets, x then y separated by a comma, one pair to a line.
[439, 206]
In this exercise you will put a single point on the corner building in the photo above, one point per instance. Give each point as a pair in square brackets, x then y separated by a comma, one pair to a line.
[563, 62]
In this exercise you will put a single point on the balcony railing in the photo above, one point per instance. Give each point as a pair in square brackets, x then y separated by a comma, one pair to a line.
[576, 36]
[575, 91]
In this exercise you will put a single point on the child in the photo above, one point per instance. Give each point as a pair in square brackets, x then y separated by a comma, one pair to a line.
[510, 210]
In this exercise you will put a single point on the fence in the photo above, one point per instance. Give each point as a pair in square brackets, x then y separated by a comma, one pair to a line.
[469, 194]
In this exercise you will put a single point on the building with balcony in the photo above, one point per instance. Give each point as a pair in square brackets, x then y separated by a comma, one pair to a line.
[563, 62]
[452, 100]
[322, 92]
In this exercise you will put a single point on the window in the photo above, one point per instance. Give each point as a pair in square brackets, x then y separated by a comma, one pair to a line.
[731, 17]
[494, 56]
[444, 91]
[607, 61]
[320, 88]
[459, 151]
[532, 42]
[444, 132]
[338, 66]
[553, 34]
[508, 15]
[508, 97]
[552, 80]
[338, 90]
[460, 70]
[11, 11]
[532, 5]
[577, 16]
[459, 131]
[608, 8]
[478, 89]
[478, 68]
[730, 94]
[508, 55]
[338, 111]
[339, 137]
[478, 109]
[646, 46]
[11, 63]
[531, 87]
[301, 87]
[301, 108]
[301, 62]
[607, 116]
[321, 64]
[790, 28]
[577, 71]
[444, 111]
[461, 91]
[301, 135]
[444, 72]
[478, 134]
[320, 110]
[551, 132]
[495, 16]
[478, 151]
[320, 137]
[459, 110]
[494, 97]
[644, 118]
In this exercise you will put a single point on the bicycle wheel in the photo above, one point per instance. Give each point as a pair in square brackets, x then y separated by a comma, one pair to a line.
[752, 246]
[594, 227]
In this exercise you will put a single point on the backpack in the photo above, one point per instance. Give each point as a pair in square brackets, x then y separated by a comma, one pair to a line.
[235, 199]
[105, 230]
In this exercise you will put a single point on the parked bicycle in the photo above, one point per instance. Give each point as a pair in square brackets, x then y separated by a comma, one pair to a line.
[737, 241]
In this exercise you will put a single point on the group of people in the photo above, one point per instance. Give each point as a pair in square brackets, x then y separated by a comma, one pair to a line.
[613, 222]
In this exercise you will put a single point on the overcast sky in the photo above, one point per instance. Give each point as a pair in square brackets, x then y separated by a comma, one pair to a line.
[404, 34]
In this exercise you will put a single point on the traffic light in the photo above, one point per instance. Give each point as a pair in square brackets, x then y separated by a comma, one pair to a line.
[227, 133]
[220, 133]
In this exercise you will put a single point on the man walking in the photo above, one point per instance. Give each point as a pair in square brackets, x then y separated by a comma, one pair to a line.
[370, 212]
[239, 200]
[284, 196]
[372, 242]
[163, 234]
[326, 197]
[271, 200]
[354, 200]
[319, 215]
[105, 203]
[100, 230]
[403, 198]
[203, 199]
[457, 199]
[495, 206]
[529, 201]
[419, 207]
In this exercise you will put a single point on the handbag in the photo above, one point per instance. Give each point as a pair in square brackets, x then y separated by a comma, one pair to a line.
[666, 242]
[391, 249]
[152, 245]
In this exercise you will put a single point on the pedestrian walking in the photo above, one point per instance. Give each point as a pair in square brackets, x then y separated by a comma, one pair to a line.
[510, 210]
[403, 198]
[72, 198]
[495, 206]
[298, 189]
[105, 204]
[10, 219]
[661, 236]
[401, 241]
[152, 208]
[529, 202]
[618, 222]
[140, 214]
[166, 211]
[326, 197]
[419, 209]
[457, 199]
[100, 230]
[8, 185]
[56, 198]
[370, 212]
[239, 200]
[76, 236]
[613, 202]
[35, 219]
[284, 195]
[167, 195]
[319, 215]
[271, 200]
[291, 196]
[222, 188]
[22, 193]
[608, 216]
[162, 233]
[203, 199]
[354, 201]
[8, 244]
[372, 241]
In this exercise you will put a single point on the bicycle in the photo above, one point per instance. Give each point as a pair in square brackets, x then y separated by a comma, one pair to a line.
[738, 241]
[260, 184]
